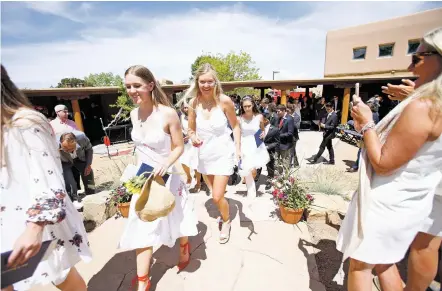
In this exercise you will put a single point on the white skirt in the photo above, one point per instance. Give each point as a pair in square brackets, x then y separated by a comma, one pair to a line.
[216, 156]
[433, 223]
[182, 221]
[189, 156]
[252, 157]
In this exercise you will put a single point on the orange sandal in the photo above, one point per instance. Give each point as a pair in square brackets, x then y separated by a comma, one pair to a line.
[141, 279]
[183, 265]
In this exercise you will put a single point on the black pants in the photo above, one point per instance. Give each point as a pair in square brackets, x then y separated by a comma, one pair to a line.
[326, 143]
[271, 165]
[70, 182]
[284, 158]
[293, 155]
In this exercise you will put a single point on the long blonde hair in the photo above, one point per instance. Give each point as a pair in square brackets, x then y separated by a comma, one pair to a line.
[433, 90]
[158, 95]
[195, 90]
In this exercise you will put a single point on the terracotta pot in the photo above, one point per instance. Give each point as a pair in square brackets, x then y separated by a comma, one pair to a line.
[123, 208]
[291, 216]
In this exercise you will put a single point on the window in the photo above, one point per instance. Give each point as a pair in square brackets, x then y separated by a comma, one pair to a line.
[412, 46]
[359, 53]
[386, 50]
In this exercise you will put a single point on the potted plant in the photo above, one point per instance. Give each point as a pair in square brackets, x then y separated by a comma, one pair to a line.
[122, 195]
[290, 194]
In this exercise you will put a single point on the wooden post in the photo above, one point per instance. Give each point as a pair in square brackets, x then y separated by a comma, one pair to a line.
[345, 105]
[262, 93]
[77, 114]
[283, 97]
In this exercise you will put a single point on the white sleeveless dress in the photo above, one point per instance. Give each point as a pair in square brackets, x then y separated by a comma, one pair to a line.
[216, 156]
[152, 149]
[433, 223]
[188, 157]
[398, 207]
[33, 190]
[253, 157]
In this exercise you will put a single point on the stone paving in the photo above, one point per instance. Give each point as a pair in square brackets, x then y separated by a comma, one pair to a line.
[263, 253]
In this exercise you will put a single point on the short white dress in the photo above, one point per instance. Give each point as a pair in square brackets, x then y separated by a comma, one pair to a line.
[154, 148]
[433, 223]
[216, 156]
[398, 206]
[188, 157]
[253, 157]
[33, 189]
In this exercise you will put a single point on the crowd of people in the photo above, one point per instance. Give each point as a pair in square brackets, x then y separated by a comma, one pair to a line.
[394, 208]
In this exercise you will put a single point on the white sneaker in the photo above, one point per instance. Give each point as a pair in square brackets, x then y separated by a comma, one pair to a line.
[77, 205]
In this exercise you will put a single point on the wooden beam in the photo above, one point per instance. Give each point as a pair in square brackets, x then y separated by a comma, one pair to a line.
[345, 106]
[77, 114]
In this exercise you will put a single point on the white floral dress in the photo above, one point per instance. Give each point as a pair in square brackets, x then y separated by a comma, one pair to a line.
[33, 190]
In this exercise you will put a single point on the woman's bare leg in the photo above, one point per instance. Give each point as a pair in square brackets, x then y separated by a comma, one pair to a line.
[219, 184]
[187, 171]
[359, 276]
[184, 251]
[73, 282]
[209, 182]
[389, 277]
[143, 265]
[422, 261]
[198, 179]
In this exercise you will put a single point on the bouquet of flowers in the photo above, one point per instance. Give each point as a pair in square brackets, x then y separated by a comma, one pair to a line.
[289, 191]
[123, 193]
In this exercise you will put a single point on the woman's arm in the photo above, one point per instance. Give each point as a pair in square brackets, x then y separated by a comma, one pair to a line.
[176, 136]
[405, 139]
[46, 188]
[261, 122]
[191, 118]
[229, 110]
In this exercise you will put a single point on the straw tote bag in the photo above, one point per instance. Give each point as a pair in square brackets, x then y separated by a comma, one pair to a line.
[155, 200]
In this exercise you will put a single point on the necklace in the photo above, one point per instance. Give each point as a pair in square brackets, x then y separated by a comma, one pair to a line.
[207, 103]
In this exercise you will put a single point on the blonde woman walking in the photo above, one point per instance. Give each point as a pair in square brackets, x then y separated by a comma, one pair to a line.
[210, 112]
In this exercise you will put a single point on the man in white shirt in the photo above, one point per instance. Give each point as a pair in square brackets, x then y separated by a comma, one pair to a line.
[61, 123]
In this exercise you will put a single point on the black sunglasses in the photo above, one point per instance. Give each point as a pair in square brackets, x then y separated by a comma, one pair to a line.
[417, 57]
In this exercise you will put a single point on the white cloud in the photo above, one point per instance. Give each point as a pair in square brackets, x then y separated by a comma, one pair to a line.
[168, 44]
[69, 10]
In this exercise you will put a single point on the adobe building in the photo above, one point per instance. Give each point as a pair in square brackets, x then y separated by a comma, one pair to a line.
[378, 49]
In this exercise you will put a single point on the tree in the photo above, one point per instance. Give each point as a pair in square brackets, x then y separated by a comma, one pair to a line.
[70, 82]
[231, 67]
[103, 80]
[124, 102]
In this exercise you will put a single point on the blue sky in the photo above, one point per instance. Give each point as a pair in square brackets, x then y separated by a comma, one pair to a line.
[43, 42]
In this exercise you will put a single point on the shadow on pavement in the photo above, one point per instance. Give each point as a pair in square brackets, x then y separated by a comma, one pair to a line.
[236, 208]
[328, 261]
[349, 163]
[118, 272]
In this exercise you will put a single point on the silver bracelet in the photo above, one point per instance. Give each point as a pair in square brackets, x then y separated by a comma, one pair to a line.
[369, 125]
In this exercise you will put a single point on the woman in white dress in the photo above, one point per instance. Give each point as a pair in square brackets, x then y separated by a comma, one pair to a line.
[423, 257]
[188, 159]
[159, 143]
[400, 168]
[34, 204]
[253, 156]
[210, 111]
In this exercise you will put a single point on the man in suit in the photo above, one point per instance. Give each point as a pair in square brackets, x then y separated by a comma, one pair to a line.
[293, 157]
[271, 141]
[76, 155]
[286, 126]
[331, 122]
